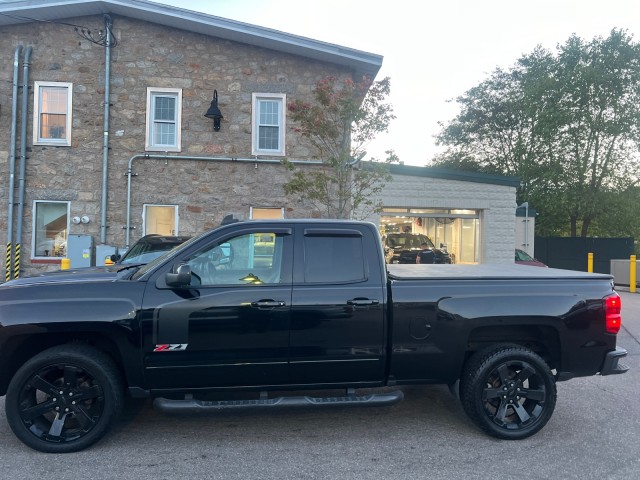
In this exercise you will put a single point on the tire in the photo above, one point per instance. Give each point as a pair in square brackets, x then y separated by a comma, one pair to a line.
[64, 399]
[508, 391]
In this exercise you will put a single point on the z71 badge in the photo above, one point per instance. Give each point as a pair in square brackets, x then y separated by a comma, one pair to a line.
[171, 347]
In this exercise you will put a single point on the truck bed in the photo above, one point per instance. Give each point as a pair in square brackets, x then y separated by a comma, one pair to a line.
[485, 271]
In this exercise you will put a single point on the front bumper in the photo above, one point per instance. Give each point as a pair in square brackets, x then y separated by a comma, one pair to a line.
[611, 365]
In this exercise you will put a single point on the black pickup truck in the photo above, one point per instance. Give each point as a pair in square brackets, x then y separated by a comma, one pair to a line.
[252, 308]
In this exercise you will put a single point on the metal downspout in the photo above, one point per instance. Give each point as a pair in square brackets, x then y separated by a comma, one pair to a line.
[187, 157]
[26, 66]
[12, 159]
[105, 146]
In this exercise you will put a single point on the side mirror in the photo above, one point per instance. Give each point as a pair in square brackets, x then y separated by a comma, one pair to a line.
[115, 257]
[179, 277]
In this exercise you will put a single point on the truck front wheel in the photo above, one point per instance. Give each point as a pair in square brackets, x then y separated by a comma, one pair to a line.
[64, 399]
[508, 391]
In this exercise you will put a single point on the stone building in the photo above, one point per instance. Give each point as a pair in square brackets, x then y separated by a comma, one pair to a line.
[103, 134]
[150, 162]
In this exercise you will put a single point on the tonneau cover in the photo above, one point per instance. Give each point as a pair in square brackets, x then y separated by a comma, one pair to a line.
[492, 271]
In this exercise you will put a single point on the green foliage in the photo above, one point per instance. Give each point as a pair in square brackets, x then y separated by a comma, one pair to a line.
[342, 121]
[567, 124]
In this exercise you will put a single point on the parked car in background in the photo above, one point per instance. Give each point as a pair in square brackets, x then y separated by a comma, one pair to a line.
[404, 248]
[148, 248]
[523, 258]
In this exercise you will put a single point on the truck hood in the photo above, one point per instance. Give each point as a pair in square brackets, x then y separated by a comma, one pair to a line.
[91, 274]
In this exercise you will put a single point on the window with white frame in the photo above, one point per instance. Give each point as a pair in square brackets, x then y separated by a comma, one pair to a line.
[160, 219]
[266, 213]
[268, 120]
[50, 228]
[52, 106]
[164, 118]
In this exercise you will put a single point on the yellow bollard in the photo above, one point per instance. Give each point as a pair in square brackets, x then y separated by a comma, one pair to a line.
[632, 274]
[65, 264]
[590, 262]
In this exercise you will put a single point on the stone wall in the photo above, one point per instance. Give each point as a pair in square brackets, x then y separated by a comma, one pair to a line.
[149, 55]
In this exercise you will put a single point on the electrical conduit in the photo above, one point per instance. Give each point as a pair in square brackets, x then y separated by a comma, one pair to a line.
[187, 157]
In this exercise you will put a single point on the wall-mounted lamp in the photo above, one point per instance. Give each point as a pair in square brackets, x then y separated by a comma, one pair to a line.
[214, 112]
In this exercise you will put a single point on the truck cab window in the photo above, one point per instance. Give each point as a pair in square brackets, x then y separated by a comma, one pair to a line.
[333, 259]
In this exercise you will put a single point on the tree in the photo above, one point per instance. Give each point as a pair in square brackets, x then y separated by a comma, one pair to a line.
[567, 124]
[343, 119]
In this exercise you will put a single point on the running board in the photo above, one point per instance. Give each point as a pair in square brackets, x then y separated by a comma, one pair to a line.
[190, 405]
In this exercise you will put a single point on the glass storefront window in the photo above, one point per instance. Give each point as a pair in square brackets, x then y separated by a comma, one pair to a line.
[457, 229]
[51, 224]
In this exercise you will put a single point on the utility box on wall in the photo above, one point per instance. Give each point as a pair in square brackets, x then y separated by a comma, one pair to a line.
[80, 250]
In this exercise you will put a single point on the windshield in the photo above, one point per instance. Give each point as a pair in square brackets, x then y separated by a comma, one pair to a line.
[144, 253]
[522, 256]
[408, 240]
[164, 256]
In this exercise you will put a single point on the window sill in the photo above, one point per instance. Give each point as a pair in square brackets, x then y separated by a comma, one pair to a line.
[52, 144]
[265, 153]
[47, 260]
[163, 149]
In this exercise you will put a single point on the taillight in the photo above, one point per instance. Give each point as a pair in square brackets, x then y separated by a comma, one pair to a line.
[612, 308]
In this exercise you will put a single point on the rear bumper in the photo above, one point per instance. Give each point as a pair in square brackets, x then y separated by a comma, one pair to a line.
[611, 365]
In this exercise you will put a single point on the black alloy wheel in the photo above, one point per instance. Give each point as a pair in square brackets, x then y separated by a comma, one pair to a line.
[64, 399]
[508, 391]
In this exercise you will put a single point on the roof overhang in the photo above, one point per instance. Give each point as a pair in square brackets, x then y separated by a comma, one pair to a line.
[458, 175]
[20, 11]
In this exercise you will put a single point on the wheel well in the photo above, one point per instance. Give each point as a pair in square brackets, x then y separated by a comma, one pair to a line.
[541, 339]
[24, 347]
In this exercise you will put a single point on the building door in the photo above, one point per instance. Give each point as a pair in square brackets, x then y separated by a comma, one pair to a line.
[160, 219]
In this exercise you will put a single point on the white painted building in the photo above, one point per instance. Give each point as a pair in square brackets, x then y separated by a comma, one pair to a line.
[471, 213]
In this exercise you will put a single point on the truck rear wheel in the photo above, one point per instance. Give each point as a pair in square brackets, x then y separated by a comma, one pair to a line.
[508, 391]
[64, 399]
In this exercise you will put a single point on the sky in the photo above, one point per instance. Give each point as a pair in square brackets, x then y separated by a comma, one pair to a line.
[433, 51]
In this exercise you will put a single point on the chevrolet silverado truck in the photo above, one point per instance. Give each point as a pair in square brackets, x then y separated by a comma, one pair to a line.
[221, 322]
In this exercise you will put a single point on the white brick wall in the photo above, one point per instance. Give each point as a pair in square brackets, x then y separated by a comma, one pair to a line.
[497, 204]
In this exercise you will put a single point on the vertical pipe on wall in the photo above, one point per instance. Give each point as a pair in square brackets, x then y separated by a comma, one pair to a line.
[26, 65]
[105, 142]
[12, 159]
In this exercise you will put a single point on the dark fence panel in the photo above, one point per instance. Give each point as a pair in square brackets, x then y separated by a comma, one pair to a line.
[571, 253]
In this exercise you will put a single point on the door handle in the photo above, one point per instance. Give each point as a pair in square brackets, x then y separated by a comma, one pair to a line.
[268, 304]
[359, 302]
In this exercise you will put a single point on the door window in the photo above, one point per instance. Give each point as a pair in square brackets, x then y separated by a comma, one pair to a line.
[249, 259]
